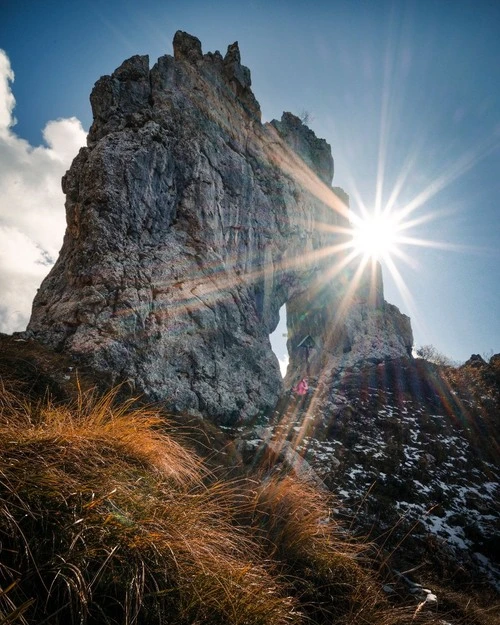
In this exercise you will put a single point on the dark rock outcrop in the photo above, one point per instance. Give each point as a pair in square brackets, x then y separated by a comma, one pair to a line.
[189, 225]
[476, 360]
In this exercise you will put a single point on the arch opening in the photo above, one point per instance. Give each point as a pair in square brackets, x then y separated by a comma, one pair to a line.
[278, 340]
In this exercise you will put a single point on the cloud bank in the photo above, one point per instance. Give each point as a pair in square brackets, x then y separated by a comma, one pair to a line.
[32, 219]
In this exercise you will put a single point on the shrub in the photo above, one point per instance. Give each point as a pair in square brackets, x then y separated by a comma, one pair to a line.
[431, 354]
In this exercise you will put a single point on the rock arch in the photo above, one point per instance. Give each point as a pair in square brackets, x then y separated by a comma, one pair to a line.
[189, 224]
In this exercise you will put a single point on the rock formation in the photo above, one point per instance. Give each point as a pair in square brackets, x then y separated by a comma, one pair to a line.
[189, 224]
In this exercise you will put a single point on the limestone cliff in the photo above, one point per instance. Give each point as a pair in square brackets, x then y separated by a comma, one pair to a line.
[189, 224]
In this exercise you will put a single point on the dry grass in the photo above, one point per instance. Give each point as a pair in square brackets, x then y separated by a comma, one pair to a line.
[104, 518]
[327, 568]
[462, 607]
[475, 393]
[107, 519]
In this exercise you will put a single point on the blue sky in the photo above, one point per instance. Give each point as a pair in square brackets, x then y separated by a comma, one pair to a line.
[396, 88]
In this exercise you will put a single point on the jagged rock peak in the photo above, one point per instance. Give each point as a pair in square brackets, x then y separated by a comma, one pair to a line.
[133, 93]
[233, 54]
[476, 360]
[234, 69]
[189, 225]
[187, 47]
[316, 152]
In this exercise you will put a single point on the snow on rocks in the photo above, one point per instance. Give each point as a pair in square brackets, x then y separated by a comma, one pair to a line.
[399, 463]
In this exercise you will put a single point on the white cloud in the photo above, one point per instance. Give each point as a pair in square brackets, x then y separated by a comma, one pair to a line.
[64, 137]
[7, 101]
[22, 268]
[32, 219]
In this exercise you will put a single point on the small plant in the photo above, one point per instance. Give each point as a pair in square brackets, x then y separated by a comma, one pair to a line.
[306, 117]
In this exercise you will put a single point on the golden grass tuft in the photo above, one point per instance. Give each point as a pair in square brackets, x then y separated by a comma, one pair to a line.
[106, 519]
[324, 564]
[93, 429]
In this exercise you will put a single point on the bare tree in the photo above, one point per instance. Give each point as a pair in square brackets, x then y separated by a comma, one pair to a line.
[431, 354]
[306, 117]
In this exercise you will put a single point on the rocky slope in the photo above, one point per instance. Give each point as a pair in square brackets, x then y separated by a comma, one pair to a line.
[411, 450]
[189, 224]
[107, 516]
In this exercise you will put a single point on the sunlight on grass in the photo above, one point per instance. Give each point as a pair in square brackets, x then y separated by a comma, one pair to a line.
[106, 518]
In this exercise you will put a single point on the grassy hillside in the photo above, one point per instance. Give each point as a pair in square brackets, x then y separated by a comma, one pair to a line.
[108, 516]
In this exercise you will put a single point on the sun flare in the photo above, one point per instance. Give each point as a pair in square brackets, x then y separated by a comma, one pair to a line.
[375, 236]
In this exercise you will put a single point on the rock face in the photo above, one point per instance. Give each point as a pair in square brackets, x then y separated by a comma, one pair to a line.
[189, 224]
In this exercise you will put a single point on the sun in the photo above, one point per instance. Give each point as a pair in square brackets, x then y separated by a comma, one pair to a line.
[375, 236]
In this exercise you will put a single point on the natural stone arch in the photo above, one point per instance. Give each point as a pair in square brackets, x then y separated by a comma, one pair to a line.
[189, 224]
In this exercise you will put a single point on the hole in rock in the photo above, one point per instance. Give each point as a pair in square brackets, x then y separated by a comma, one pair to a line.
[278, 341]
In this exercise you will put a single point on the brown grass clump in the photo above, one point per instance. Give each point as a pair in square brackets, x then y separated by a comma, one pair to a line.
[462, 607]
[475, 397]
[105, 519]
[327, 568]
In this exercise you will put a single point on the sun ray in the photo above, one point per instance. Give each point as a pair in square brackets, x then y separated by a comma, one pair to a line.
[408, 259]
[401, 285]
[385, 117]
[402, 178]
[457, 169]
